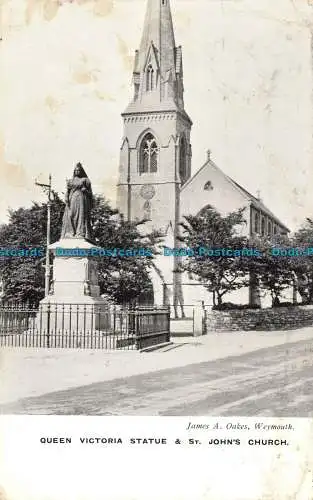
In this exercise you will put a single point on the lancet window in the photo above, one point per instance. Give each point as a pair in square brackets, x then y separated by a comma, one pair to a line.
[182, 161]
[256, 223]
[149, 155]
[150, 78]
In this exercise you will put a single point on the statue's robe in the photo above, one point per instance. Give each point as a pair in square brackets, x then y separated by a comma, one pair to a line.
[77, 214]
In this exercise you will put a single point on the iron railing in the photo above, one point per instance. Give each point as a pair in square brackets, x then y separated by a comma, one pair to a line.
[83, 326]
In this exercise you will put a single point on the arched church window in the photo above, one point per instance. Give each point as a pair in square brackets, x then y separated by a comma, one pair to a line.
[150, 78]
[263, 227]
[256, 223]
[149, 153]
[269, 228]
[182, 161]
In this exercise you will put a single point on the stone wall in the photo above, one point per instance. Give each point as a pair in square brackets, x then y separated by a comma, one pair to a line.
[282, 318]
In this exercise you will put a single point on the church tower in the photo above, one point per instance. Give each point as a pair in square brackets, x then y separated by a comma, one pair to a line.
[155, 159]
[155, 156]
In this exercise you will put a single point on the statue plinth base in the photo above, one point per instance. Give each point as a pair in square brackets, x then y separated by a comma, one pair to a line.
[74, 303]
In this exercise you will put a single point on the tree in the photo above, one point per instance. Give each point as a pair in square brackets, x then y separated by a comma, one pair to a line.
[220, 274]
[303, 265]
[272, 273]
[123, 279]
[24, 276]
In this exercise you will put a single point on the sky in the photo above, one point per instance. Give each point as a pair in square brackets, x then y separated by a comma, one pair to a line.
[66, 69]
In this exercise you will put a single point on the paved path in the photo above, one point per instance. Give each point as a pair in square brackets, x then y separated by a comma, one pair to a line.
[275, 381]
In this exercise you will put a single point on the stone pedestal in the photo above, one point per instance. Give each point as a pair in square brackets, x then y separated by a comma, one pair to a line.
[74, 303]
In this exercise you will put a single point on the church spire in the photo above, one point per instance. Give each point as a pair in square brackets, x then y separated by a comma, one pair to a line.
[158, 30]
[158, 71]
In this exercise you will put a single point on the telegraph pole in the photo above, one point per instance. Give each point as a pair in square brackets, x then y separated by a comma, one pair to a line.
[47, 189]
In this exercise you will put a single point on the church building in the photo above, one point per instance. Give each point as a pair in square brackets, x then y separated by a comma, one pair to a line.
[155, 179]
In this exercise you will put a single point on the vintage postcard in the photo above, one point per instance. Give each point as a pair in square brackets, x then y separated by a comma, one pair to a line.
[156, 249]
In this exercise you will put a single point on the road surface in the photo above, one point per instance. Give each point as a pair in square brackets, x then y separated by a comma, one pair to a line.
[270, 382]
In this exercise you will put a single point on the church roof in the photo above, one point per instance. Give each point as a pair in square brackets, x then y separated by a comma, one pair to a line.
[258, 204]
[255, 202]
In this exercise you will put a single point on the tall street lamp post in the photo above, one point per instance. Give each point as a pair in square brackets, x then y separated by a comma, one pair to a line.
[47, 189]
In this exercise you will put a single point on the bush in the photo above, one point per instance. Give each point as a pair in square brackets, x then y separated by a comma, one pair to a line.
[229, 306]
[284, 304]
[291, 304]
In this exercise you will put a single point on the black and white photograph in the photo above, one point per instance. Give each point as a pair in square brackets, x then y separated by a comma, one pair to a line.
[156, 215]
[156, 278]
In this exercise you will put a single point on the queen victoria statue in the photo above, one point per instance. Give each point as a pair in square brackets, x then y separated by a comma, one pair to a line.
[74, 296]
[78, 205]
